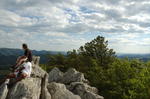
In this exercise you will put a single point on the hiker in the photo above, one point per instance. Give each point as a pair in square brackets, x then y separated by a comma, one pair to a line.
[23, 66]
[22, 72]
[26, 57]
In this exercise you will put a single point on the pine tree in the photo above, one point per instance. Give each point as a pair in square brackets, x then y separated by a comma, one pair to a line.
[98, 49]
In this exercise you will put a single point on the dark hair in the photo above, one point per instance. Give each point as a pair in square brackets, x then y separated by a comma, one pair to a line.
[24, 46]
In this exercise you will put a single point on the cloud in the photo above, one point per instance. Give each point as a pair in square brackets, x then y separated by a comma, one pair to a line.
[67, 24]
[57, 34]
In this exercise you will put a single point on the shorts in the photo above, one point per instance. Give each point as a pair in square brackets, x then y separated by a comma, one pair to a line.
[28, 68]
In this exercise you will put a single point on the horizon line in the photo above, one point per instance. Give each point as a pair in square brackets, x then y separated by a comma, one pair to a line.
[71, 50]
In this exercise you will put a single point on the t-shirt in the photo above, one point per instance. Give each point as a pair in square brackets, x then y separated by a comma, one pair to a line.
[28, 54]
[27, 68]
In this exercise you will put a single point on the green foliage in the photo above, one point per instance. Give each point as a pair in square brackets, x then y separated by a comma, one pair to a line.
[98, 49]
[126, 80]
[115, 78]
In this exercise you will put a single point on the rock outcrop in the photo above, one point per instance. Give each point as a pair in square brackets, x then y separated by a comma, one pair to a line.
[3, 91]
[55, 85]
[59, 91]
[74, 82]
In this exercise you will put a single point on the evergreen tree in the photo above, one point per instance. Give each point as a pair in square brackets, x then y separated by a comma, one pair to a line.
[98, 49]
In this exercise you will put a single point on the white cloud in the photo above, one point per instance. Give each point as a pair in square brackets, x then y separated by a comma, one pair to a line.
[58, 24]
[57, 34]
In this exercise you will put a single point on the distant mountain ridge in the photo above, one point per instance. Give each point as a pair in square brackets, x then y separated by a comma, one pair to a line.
[8, 56]
[143, 57]
[18, 52]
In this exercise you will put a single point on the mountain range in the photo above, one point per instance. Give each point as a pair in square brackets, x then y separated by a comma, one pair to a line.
[142, 57]
[8, 56]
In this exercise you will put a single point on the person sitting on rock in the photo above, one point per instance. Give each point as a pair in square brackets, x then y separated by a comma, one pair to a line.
[23, 67]
[21, 73]
[26, 57]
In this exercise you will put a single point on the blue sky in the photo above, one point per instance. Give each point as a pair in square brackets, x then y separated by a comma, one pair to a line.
[62, 25]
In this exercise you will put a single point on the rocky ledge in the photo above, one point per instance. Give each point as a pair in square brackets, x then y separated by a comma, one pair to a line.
[52, 85]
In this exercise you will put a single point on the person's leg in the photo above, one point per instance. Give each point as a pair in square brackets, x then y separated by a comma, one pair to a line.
[21, 60]
[16, 64]
[9, 76]
[18, 59]
[21, 76]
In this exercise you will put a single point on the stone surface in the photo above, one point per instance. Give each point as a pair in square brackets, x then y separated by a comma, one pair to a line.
[59, 91]
[76, 86]
[38, 72]
[84, 90]
[29, 88]
[75, 82]
[35, 60]
[73, 76]
[44, 91]
[3, 91]
[70, 76]
[89, 95]
[55, 75]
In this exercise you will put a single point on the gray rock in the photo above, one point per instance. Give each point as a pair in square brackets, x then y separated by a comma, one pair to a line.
[29, 88]
[38, 72]
[82, 86]
[3, 91]
[59, 91]
[55, 75]
[89, 95]
[73, 76]
[35, 60]
[44, 91]
[84, 90]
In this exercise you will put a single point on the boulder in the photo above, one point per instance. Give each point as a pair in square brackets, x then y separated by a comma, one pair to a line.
[89, 95]
[3, 90]
[38, 72]
[76, 86]
[29, 88]
[59, 91]
[84, 90]
[35, 60]
[44, 91]
[55, 75]
[73, 76]
[75, 82]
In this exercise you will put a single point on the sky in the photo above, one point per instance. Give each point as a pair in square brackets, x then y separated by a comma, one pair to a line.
[63, 25]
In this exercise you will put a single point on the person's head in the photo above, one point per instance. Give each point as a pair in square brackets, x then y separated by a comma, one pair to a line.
[24, 46]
